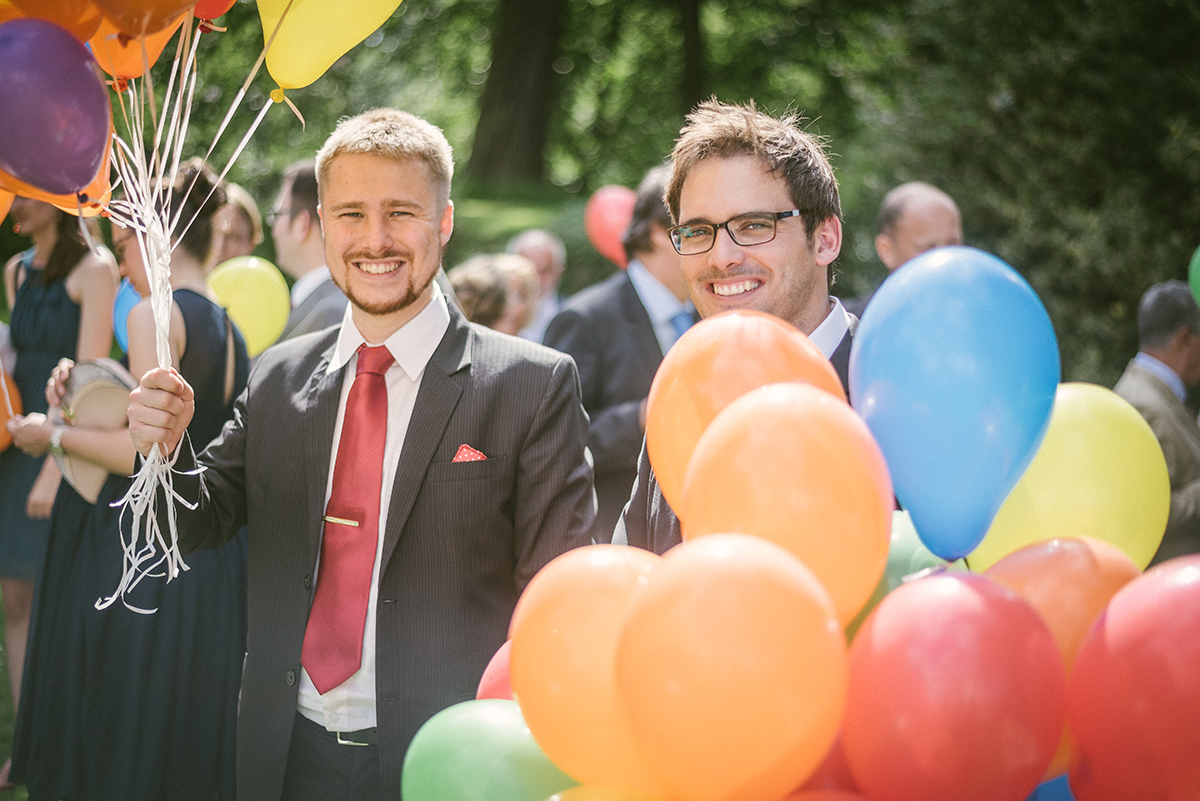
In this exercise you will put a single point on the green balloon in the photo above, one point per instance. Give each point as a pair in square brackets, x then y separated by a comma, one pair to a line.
[1194, 275]
[907, 555]
[479, 751]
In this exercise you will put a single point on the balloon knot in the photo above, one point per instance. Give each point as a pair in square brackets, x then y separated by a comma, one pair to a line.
[119, 84]
[82, 197]
[207, 26]
[277, 95]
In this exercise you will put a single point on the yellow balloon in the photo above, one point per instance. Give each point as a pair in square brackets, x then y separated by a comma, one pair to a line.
[315, 34]
[256, 296]
[1098, 473]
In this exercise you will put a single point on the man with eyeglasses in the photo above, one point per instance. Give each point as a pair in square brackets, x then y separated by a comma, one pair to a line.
[759, 226]
[317, 303]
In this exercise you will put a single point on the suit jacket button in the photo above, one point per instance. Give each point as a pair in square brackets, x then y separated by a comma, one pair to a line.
[308, 582]
[291, 677]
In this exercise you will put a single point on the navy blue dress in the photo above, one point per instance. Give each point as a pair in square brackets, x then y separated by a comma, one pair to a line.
[121, 705]
[44, 329]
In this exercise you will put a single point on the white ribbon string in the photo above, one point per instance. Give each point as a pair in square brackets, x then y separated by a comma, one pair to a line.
[150, 550]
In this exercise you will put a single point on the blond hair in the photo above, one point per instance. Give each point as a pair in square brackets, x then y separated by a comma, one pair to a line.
[393, 134]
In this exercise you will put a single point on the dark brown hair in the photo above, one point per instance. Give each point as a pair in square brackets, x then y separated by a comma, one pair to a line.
[720, 130]
[69, 248]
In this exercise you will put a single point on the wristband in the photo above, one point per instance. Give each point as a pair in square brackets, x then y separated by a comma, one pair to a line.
[56, 440]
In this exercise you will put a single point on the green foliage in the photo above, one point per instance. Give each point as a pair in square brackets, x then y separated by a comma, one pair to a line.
[1068, 133]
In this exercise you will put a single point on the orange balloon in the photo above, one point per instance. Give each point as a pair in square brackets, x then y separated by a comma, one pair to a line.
[564, 643]
[6, 199]
[593, 793]
[733, 670]
[793, 464]
[97, 193]
[12, 397]
[142, 17]
[1069, 581]
[124, 57]
[9, 11]
[80, 17]
[826, 795]
[717, 361]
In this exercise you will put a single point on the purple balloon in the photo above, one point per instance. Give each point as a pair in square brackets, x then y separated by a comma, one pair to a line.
[54, 109]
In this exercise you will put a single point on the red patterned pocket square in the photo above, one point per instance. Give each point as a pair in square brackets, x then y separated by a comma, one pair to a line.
[468, 454]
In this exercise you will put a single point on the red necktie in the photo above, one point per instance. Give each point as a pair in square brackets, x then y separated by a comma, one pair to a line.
[333, 641]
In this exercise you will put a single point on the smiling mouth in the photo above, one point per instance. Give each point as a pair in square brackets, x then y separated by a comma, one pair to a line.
[377, 266]
[739, 288]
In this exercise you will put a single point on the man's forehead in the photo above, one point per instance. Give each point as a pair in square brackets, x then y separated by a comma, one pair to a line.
[724, 186]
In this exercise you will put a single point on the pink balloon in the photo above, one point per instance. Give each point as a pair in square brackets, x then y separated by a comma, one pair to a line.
[1133, 703]
[957, 691]
[605, 219]
[54, 107]
[496, 682]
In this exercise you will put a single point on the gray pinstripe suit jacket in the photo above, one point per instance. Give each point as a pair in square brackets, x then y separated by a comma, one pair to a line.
[461, 540]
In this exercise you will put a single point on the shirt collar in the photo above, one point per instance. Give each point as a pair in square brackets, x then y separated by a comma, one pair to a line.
[1160, 371]
[660, 302]
[828, 335]
[412, 346]
[307, 283]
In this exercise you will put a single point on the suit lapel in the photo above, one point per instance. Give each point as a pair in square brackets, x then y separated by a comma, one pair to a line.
[437, 398]
[320, 418]
[641, 328]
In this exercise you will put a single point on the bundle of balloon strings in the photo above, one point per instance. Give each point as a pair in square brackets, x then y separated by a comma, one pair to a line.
[147, 170]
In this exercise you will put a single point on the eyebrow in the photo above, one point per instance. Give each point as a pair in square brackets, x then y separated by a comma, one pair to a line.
[391, 203]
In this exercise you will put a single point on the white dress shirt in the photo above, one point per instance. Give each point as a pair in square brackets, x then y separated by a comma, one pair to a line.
[351, 705]
[828, 335]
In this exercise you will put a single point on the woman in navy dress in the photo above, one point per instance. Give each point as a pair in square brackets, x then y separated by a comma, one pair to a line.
[60, 298]
[120, 704]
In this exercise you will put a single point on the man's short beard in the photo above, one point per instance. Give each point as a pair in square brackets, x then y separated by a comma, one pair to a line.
[409, 297]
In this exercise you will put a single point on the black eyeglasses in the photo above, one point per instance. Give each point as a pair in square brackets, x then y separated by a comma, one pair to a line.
[275, 215]
[752, 228]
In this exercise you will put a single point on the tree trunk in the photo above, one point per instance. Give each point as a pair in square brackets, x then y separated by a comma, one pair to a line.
[520, 94]
[693, 86]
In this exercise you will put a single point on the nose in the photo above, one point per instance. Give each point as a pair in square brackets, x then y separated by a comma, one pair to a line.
[725, 253]
[376, 236]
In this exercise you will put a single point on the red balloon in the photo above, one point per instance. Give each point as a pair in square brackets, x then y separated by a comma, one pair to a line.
[495, 682]
[1133, 703]
[211, 9]
[832, 774]
[956, 692]
[605, 219]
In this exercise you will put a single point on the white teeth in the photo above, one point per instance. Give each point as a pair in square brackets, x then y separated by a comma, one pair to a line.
[377, 268]
[726, 290]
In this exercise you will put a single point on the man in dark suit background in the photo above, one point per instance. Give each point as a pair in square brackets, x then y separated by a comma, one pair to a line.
[913, 218]
[481, 465]
[759, 226]
[618, 331]
[317, 302]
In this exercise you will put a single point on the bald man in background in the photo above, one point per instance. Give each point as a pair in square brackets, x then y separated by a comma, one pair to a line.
[913, 218]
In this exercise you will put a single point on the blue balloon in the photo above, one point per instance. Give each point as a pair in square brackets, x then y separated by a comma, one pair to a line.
[1057, 789]
[127, 297]
[954, 369]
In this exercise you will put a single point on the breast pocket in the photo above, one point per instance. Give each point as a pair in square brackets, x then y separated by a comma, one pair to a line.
[487, 469]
